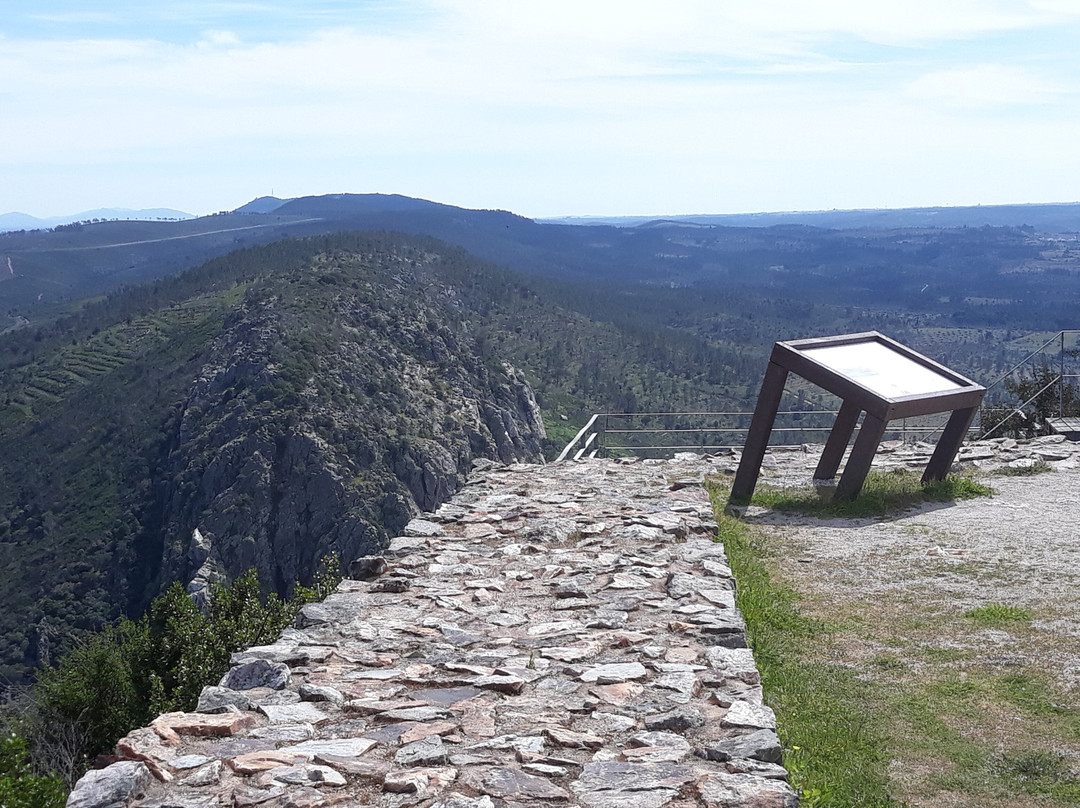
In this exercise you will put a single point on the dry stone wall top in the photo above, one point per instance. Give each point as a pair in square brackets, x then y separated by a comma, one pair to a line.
[556, 635]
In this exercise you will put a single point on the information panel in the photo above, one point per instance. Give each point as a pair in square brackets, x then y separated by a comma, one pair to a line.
[874, 377]
[879, 368]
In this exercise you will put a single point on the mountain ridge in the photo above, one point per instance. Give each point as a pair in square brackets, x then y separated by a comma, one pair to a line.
[1043, 216]
[261, 411]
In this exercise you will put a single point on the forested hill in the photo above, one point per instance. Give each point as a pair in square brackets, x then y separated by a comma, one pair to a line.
[263, 410]
[289, 400]
[966, 295]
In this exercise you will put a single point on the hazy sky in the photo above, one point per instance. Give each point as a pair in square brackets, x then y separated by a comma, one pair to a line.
[543, 108]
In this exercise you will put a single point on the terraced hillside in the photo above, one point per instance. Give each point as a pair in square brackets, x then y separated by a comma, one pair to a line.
[292, 401]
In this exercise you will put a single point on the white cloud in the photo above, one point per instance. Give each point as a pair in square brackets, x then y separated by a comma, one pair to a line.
[219, 39]
[985, 85]
[514, 103]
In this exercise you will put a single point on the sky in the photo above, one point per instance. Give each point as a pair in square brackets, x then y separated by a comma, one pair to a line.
[544, 108]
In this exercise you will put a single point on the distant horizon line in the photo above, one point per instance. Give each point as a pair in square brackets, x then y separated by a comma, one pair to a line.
[559, 216]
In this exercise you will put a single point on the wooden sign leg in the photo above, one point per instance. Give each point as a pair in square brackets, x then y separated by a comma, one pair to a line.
[951, 438]
[757, 438]
[837, 443]
[862, 455]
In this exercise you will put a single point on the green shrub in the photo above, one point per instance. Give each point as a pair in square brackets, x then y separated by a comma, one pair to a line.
[95, 689]
[125, 676]
[998, 614]
[20, 787]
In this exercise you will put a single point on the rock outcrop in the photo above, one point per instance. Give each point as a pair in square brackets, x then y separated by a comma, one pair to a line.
[261, 411]
[553, 635]
[303, 437]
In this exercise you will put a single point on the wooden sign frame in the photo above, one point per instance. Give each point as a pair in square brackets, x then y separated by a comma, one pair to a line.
[870, 373]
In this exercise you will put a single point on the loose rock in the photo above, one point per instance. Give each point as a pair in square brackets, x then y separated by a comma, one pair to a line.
[117, 784]
[259, 673]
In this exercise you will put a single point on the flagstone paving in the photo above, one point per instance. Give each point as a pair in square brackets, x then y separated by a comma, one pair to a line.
[555, 635]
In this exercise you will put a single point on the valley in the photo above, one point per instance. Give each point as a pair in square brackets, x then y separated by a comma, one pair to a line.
[303, 377]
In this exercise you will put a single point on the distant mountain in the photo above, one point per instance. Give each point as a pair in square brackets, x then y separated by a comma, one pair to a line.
[345, 205]
[84, 259]
[23, 221]
[1050, 218]
[263, 204]
[337, 206]
[19, 221]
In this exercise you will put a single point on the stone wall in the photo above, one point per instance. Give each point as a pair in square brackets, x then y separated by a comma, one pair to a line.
[555, 635]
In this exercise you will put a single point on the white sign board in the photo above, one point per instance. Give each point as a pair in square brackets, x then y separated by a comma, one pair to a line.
[879, 368]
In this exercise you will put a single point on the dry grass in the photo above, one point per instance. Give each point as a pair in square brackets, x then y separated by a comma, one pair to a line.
[971, 712]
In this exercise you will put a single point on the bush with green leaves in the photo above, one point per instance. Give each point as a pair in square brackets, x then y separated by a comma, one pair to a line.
[125, 676]
[20, 786]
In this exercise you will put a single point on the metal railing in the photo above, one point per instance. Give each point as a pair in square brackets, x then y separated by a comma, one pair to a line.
[1061, 380]
[663, 433]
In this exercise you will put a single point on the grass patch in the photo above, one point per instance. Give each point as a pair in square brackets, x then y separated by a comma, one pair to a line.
[998, 615]
[833, 747]
[1029, 470]
[944, 717]
[1039, 773]
[1034, 697]
[883, 492]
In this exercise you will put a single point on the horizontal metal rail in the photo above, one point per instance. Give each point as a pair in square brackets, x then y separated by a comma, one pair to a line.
[709, 430]
[693, 447]
[598, 435]
[708, 414]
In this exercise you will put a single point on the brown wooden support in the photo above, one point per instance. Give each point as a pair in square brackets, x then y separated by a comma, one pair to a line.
[757, 439]
[949, 444]
[862, 455]
[871, 374]
[838, 440]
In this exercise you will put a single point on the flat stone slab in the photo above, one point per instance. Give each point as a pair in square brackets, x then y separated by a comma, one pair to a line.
[303, 712]
[202, 724]
[511, 783]
[615, 673]
[342, 747]
[743, 714]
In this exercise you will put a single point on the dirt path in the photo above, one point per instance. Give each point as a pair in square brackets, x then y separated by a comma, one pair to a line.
[176, 238]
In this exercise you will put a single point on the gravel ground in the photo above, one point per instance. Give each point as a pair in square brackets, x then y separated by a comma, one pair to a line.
[1020, 547]
[898, 587]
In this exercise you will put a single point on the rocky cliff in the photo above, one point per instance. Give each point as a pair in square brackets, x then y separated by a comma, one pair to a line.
[318, 428]
[291, 401]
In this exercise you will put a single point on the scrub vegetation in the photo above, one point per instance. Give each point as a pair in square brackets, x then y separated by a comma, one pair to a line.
[883, 492]
[132, 671]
